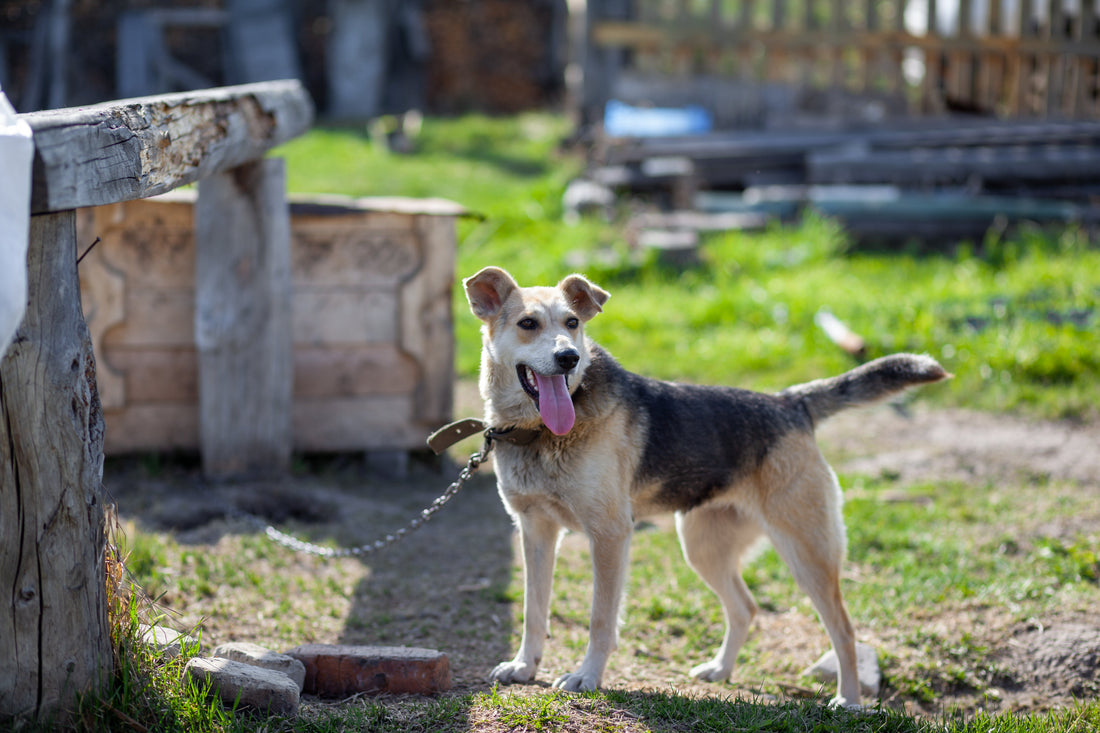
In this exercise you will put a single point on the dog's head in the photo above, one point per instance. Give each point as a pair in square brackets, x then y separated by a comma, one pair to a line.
[535, 352]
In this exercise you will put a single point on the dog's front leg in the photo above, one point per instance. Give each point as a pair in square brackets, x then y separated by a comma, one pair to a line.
[539, 539]
[610, 556]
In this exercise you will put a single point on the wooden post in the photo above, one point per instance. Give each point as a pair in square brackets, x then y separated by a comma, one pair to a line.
[242, 320]
[54, 638]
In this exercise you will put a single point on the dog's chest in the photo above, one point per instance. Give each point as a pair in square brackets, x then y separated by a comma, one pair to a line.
[575, 485]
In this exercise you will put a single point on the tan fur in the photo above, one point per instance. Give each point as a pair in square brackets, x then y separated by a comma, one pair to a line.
[590, 481]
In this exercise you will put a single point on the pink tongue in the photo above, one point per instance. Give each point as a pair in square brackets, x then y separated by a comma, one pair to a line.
[555, 404]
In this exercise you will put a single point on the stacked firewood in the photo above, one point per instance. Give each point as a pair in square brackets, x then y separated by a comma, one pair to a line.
[497, 56]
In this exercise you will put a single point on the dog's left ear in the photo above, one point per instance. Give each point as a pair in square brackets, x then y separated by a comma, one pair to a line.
[584, 297]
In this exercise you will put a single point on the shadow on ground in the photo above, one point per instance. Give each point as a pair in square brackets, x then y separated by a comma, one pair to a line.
[444, 587]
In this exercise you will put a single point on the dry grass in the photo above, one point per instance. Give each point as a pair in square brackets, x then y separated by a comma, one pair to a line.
[944, 578]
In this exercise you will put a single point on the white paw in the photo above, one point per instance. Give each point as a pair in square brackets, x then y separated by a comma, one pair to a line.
[577, 682]
[842, 702]
[713, 671]
[515, 671]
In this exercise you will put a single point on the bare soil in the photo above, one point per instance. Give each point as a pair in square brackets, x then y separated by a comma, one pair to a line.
[447, 586]
[1043, 664]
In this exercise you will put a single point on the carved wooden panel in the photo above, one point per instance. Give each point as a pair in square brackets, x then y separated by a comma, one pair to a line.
[371, 321]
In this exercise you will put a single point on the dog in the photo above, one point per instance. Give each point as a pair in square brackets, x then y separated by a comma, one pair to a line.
[606, 448]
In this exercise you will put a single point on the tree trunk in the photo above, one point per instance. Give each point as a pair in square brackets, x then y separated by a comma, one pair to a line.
[54, 640]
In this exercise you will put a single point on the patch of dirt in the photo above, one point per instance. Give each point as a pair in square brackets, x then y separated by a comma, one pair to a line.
[447, 585]
[961, 445]
[1039, 666]
[1061, 661]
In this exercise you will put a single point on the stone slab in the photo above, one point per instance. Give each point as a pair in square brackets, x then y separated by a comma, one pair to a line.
[258, 656]
[249, 687]
[167, 641]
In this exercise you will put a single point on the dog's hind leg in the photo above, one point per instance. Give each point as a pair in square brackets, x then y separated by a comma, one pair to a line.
[805, 526]
[539, 536]
[713, 540]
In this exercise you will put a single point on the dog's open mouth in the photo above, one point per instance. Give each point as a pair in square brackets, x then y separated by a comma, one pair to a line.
[551, 393]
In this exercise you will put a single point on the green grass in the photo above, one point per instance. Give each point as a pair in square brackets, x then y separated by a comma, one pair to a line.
[1014, 318]
[925, 561]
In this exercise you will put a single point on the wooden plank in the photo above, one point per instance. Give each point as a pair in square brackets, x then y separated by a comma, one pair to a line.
[152, 427]
[354, 252]
[355, 371]
[379, 422]
[154, 375]
[54, 634]
[135, 148]
[698, 221]
[426, 322]
[770, 145]
[156, 318]
[328, 316]
[159, 375]
[103, 296]
[956, 165]
[151, 238]
[242, 313]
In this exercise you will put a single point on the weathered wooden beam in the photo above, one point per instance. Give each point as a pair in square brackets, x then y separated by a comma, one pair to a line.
[242, 321]
[54, 634]
[133, 148]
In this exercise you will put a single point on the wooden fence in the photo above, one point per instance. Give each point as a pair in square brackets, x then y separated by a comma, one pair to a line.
[53, 630]
[1010, 58]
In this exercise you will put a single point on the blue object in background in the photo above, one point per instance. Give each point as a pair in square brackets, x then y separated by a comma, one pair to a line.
[624, 120]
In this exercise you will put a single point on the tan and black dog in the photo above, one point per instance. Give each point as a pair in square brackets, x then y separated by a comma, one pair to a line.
[611, 447]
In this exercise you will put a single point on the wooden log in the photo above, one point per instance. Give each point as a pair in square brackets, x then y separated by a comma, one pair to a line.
[54, 635]
[131, 149]
[242, 318]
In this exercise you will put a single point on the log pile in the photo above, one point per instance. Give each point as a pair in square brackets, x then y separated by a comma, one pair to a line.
[498, 56]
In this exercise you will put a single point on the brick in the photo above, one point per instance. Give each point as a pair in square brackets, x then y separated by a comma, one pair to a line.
[251, 687]
[259, 656]
[334, 670]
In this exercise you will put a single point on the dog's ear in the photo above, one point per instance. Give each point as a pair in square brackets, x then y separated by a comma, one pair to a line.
[585, 298]
[487, 291]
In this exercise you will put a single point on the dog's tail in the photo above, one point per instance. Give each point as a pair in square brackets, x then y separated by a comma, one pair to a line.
[869, 382]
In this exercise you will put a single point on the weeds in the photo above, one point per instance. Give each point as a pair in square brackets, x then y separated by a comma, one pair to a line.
[1012, 317]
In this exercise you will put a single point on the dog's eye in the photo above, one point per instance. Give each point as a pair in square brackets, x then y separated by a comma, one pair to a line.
[572, 323]
[528, 324]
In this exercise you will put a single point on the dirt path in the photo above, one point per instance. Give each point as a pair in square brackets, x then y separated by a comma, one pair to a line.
[961, 445]
[446, 587]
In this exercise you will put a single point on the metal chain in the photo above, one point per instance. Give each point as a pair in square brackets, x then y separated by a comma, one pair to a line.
[297, 545]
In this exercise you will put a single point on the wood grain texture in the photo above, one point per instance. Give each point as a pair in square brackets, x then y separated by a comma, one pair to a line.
[129, 149]
[54, 634]
[242, 320]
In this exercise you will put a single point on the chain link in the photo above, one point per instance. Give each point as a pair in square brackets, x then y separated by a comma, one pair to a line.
[293, 543]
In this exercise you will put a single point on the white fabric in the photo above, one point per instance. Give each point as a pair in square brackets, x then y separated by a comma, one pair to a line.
[16, 154]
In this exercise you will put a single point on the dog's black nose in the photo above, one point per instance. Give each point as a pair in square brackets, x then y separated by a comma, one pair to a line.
[567, 359]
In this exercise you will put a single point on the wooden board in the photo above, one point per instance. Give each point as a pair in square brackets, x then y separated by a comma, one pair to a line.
[135, 148]
[370, 318]
[242, 320]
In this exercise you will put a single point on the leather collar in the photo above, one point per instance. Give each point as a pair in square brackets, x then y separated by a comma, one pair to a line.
[448, 435]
